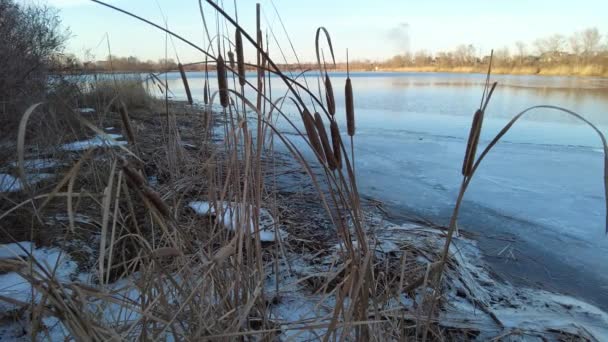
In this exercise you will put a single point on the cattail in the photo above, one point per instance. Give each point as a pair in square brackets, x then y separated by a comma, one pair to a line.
[335, 141]
[240, 57]
[469, 157]
[331, 161]
[329, 95]
[231, 59]
[350, 107]
[262, 58]
[206, 92]
[126, 122]
[222, 82]
[313, 136]
[137, 181]
[185, 80]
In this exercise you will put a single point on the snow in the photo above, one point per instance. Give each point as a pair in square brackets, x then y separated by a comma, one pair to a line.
[232, 215]
[9, 183]
[38, 163]
[109, 140]
[86, 110]
[12, 285]
[14, 250]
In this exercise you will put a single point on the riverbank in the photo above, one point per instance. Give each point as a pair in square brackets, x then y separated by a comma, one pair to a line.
[141, 247]
[559, 70]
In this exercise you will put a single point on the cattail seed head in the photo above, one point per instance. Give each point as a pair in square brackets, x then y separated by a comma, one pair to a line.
[473, 141]
[335, 141]
[185, 80]
[350, 107]
[313, 136]
[331, 160]
[262, 58]
[329, 95]
[240, 57]
[206, 92]
[222, 82]
[231, 59]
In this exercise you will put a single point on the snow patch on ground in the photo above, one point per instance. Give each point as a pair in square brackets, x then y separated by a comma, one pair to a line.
[234, 213]
[15, 250]
[9, 183]
[37, 164]
[109, 140]
[86, 110]
[51, 260]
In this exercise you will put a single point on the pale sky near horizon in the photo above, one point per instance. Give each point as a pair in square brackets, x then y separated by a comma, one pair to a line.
[372, 30]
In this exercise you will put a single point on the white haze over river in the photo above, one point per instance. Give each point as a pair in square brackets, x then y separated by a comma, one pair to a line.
[536, 204]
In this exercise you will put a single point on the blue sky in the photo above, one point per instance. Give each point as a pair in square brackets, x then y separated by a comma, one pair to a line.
[370, 29]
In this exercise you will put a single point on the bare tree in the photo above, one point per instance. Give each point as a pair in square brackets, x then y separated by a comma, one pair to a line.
[591, 39]
[521, 50]
[31, 39]
[552, 44]
[576, 43]
[502, 56]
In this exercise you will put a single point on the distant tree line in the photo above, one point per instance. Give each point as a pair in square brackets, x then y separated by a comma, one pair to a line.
[584, 52]
[70, 63]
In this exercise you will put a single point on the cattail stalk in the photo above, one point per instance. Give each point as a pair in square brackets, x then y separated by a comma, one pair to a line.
[222, 82]
[185, 80]
[331, 160]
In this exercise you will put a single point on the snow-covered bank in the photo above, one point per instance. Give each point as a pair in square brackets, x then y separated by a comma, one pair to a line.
[472, 299]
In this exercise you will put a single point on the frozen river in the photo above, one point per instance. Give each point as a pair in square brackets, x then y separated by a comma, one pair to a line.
[536, 203]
